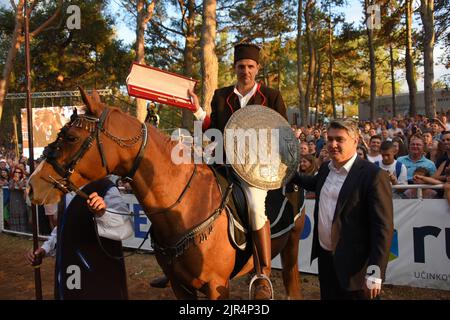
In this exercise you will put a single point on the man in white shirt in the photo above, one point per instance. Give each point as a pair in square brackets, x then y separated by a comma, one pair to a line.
[79, 250]
[374, 149]
[353, 218]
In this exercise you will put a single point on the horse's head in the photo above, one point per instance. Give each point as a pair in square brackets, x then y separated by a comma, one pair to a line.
[81, 153]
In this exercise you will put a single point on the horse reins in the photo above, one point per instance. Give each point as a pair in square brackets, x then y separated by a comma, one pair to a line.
[95, 126]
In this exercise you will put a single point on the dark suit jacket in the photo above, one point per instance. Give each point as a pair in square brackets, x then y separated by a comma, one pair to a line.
[225, 102]
[362, 226]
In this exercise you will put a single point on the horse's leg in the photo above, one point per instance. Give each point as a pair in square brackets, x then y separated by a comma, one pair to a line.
[217, 289]
[183, 293]
[289, 260]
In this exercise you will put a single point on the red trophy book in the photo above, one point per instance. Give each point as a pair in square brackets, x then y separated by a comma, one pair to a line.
[161, 86]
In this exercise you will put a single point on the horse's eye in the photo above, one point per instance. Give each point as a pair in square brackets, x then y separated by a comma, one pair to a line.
[71, 139]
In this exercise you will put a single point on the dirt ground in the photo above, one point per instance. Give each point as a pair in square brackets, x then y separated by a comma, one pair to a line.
[16, 278]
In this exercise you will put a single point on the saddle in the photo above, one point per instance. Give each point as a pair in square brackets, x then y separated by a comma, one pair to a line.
[279, 210]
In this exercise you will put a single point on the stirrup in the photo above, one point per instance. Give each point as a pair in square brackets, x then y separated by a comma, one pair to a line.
[256, 277]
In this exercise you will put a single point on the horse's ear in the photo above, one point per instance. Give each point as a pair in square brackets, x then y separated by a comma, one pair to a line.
[93, 105]
[96, 96]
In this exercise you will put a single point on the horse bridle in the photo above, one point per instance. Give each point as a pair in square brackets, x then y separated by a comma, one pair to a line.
[95, 126]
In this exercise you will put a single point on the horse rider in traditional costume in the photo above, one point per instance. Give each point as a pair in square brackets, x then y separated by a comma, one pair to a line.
[224, 103]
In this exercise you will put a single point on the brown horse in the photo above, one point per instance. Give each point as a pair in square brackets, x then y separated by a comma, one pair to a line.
[178, 199]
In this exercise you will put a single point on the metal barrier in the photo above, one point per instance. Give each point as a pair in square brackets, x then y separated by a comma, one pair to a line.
[419, 187]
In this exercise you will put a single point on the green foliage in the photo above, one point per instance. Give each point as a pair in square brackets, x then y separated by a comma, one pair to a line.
[62, 59]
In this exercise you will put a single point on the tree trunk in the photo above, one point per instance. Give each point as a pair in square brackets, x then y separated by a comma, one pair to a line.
[12, 53]
[372, 61]
[409, 65]
[391, 56]
[15, 135]
[187, 117]
[144, 14]
[312, 57]
[17, 40]
[318, 85]
[427, 16]
[301, 98]
[279, 63]
[331, 68]
[210, 67]
[264, 66]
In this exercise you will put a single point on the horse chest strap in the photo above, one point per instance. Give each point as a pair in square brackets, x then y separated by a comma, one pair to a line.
[201, 231]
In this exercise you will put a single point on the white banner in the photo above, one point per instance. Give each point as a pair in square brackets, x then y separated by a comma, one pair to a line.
[141, 225]
[420, 250]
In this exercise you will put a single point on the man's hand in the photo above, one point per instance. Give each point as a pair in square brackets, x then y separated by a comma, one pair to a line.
[393, 178]
[35, 258]
[195, 100]
[372, 289]
[96, 204]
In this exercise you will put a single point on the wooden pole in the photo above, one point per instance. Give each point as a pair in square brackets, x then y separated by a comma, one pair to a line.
[37, 270]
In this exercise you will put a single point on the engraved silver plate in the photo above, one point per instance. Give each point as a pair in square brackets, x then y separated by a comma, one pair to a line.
[261, 147]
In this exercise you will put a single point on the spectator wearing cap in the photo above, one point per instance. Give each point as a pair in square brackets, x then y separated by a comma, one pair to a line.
[4, 164]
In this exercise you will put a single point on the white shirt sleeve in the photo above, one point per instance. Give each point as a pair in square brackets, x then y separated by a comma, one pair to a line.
[200, 114]
[49, 246]
[51, 209]
[115, 224]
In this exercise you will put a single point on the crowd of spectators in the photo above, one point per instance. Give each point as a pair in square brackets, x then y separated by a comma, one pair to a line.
[14, 171]
[414, 150]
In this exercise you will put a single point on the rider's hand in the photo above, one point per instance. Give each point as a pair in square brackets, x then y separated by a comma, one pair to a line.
[35, 258]
[96, 204]
[195, 100]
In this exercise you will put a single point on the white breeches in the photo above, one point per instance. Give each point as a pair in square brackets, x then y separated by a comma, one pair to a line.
[256, 202]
